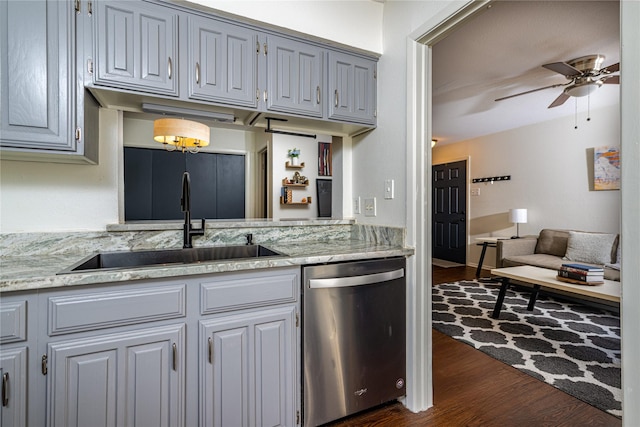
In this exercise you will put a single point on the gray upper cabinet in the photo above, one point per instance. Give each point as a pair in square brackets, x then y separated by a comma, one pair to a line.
[352, 87]
[222, 61]
[294, 77]
[137, 45]
[44, 105]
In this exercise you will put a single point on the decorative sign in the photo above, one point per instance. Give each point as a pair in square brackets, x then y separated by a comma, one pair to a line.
[606, 168]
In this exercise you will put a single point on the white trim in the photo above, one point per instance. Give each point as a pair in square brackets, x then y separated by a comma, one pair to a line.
[630, 212]
[419, 359]
[418, 198]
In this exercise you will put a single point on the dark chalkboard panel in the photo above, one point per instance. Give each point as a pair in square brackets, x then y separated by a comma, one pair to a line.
[153, 183]
[323, 187]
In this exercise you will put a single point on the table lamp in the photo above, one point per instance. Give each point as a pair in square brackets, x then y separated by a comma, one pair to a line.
[518, 216]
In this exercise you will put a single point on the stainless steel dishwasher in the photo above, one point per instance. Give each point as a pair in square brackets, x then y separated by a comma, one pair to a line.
[354, 337]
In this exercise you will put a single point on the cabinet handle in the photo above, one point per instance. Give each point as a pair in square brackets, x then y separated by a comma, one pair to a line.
[210, 350]
[317, 94]
[197, 73]
[175, 357]
[43, 367]
[5, 389]
[265, 96]
[169, 68]
[335, 97]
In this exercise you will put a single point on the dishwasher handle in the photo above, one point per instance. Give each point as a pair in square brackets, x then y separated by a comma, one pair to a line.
[367, 279]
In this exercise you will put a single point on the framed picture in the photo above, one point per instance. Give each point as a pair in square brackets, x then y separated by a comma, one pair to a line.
[606, 168]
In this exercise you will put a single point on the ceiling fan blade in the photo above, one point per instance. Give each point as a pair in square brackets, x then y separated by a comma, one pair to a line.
[531, 91]
[563, 68]
[611, 68]
[611, 80]
[559, 100]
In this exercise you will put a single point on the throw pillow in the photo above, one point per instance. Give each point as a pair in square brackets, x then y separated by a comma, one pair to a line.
[592, 248]
[552, 242]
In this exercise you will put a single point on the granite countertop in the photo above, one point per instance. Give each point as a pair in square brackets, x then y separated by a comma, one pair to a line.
[19, 273]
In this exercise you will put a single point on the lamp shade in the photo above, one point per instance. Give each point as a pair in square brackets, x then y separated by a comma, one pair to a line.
[184, 134]
[518, 216]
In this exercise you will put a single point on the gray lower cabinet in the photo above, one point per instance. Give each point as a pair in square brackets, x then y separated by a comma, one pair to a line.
[222, 62]
[13, 374]
[18, 324]
[44, 104]
[352, 86]
[131, 378]
[212, 349]
[248, 369]
[137, 46]
[294, 77]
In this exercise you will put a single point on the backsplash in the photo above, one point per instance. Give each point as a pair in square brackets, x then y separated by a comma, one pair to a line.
[126, 238]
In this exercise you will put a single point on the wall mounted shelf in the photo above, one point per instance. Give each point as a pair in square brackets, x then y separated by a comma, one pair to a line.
[306, 202]
[286, 183]
[288, 165]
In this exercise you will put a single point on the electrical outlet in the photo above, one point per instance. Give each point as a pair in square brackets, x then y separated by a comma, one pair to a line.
[370, 207]
[475, 191]
[356, 205]
[388, 188]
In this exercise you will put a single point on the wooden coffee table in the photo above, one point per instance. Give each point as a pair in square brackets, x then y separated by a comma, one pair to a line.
[546, 278]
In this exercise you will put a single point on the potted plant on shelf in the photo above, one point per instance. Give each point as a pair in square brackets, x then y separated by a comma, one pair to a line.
[294, 154]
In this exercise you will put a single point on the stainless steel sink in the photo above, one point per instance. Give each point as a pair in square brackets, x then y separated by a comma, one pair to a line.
[135, 259]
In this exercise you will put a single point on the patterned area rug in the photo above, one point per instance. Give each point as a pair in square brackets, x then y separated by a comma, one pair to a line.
[573, 347]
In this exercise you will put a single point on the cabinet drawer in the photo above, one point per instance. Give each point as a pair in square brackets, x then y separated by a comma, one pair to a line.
[108, 309]
[234, 293]
[13, 322]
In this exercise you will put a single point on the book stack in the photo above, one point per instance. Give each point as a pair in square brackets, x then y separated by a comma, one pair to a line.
[581, 274]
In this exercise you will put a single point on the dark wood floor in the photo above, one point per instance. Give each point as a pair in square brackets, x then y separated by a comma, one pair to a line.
[473, 389]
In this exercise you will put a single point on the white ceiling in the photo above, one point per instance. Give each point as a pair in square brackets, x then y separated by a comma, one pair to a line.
[501, 52]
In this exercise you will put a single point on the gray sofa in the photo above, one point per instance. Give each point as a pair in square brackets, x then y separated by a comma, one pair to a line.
[552, 248]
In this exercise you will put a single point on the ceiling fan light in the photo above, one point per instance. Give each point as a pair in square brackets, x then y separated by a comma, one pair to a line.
[583, 89]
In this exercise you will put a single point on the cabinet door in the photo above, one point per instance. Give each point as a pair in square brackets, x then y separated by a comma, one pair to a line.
[137, 46]
[133, 379]
[222, 62]
[294, 77]
[352, 85]
[13, 396]
[37, 69]
[248, 369]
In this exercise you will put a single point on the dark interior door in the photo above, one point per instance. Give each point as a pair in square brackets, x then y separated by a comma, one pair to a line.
[449, 211]
[153, 183]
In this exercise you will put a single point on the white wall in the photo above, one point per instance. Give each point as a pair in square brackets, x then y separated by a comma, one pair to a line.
[551, 168]
[381, 154]
[355, 23]
[40, 197]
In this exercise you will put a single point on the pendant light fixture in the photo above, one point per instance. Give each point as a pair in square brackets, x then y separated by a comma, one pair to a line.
[182, 134]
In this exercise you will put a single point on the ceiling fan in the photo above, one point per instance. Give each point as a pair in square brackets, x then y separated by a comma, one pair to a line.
[584, 75]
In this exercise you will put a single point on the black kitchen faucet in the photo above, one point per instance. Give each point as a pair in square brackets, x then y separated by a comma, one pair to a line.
[185, 203]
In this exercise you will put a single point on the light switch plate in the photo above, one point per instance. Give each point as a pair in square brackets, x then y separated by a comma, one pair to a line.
[356, 205]
[475, 191]
[370, 206]
[388, 188]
